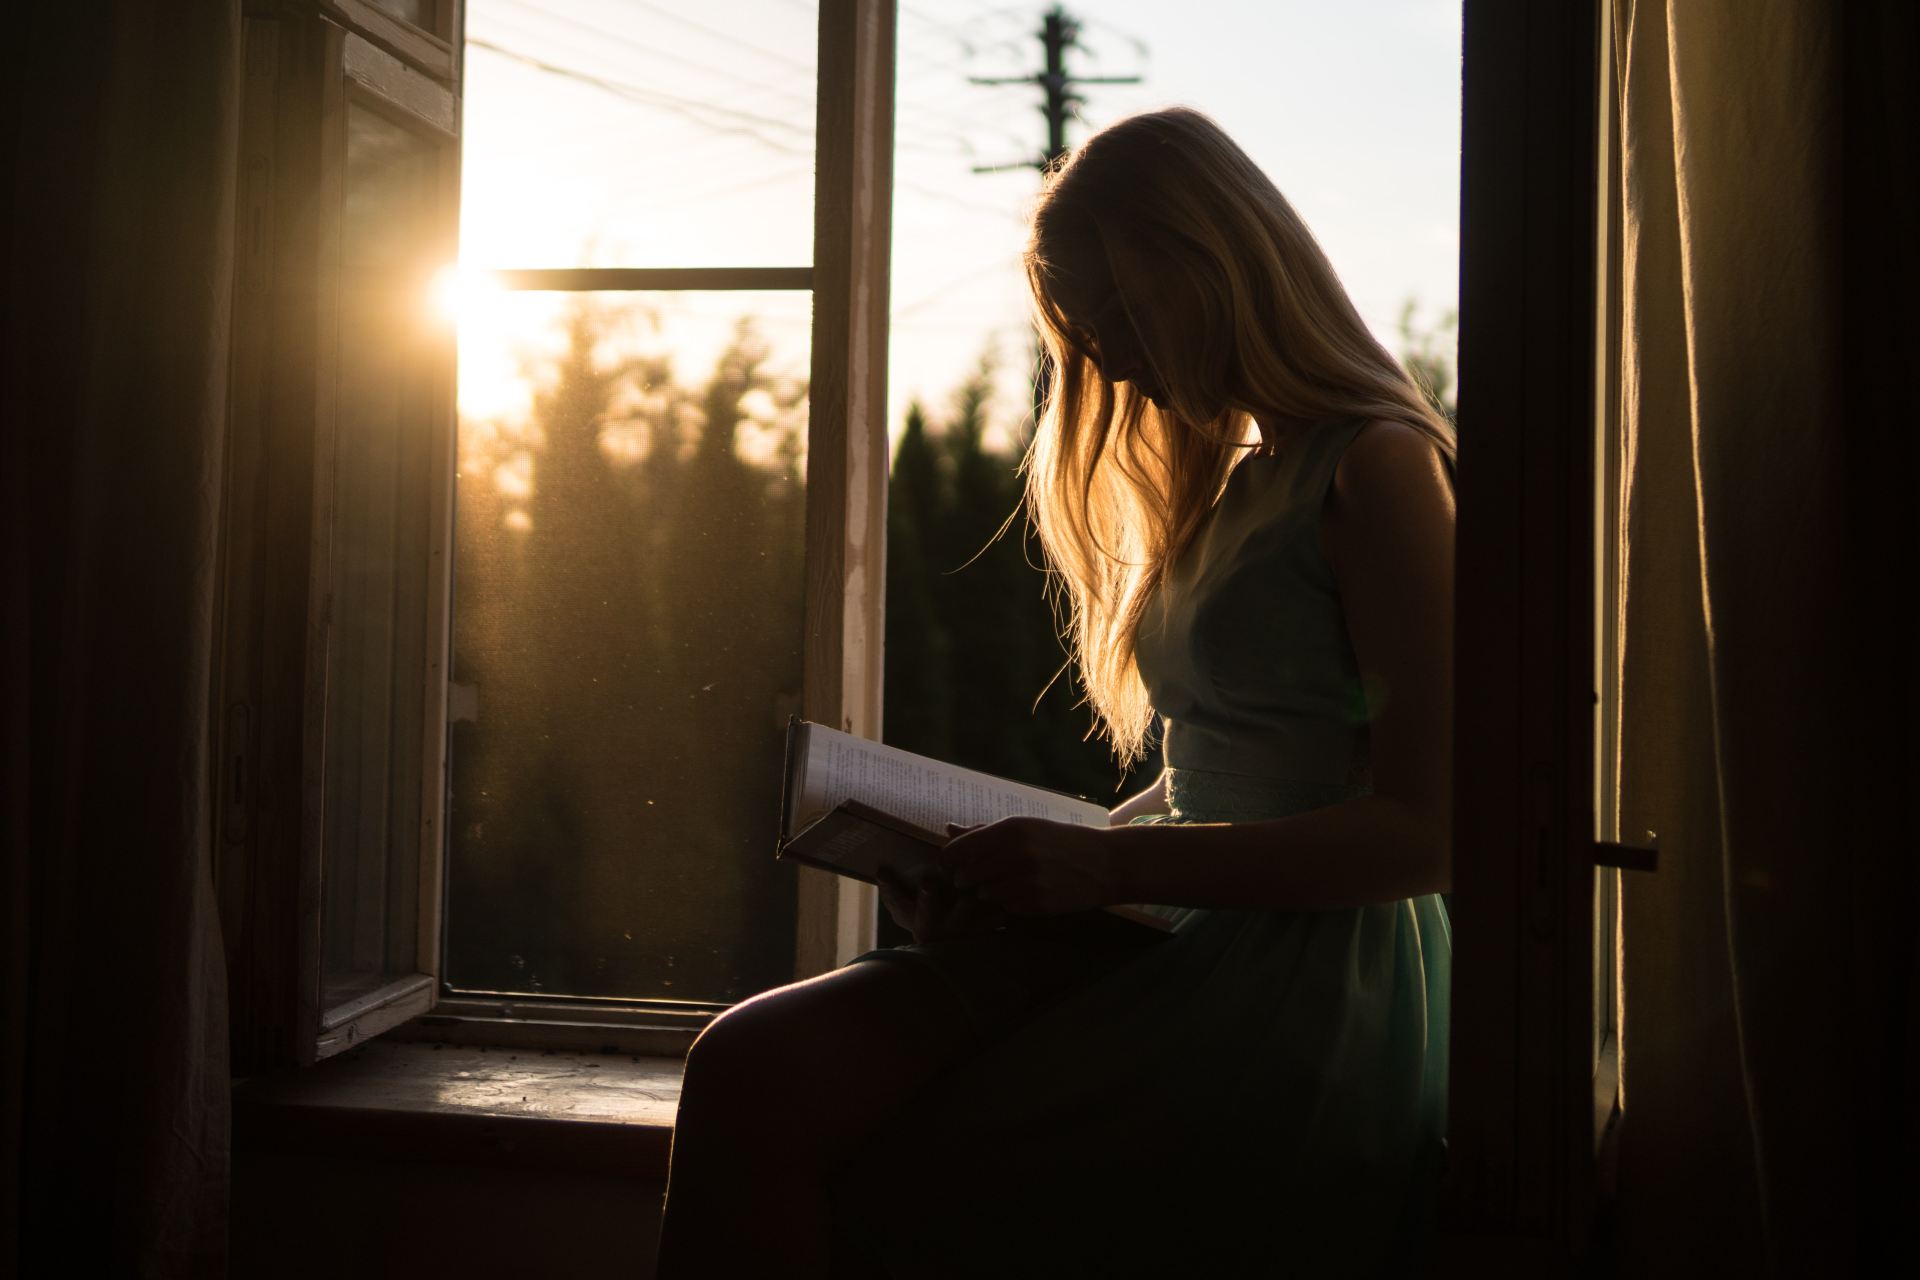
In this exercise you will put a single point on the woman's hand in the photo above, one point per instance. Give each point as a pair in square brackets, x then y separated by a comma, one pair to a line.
[1030, 866]
[933, 911]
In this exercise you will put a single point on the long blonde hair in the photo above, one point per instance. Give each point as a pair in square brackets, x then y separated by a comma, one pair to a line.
[1255, 323]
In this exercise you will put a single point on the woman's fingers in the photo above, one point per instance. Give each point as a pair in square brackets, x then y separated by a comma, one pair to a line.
[898, 898]
[931, 908]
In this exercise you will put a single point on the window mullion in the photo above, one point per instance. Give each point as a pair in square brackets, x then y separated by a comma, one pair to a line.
[847, 430]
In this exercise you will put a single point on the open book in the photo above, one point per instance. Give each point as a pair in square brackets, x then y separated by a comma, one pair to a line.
[851, 806]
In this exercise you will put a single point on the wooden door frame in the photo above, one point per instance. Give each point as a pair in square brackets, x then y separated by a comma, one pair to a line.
[1519, 1180]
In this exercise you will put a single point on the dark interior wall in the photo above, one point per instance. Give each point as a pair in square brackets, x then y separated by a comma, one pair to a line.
[120, 152]
[297, 1214]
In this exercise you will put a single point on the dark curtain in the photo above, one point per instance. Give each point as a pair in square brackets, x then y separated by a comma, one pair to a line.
[1769, 655]
[122, 123]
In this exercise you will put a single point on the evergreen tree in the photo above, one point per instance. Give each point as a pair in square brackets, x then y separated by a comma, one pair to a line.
[918, 713]
[986, 595]
[634, 638]
[959, 554]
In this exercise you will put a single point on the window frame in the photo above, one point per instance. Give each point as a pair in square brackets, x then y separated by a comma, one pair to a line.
[306, 59]
[377, 81]
[432, 49]
[845, 573]
[1529, 1104]
[1526, 1100]
[302, 70]
[1609, 532]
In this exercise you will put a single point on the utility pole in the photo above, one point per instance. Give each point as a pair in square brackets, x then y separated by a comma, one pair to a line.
[1058, 33]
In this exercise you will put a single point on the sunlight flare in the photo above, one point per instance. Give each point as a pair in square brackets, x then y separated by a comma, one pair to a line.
[462, 293]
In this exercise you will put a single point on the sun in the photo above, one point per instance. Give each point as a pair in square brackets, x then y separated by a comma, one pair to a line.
[460, 292]
[492, 322]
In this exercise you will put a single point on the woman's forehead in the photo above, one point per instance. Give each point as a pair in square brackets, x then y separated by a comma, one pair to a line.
[1077, 273]
[1078, 256]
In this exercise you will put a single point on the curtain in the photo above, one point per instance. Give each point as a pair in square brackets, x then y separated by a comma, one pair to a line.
[1767, 668]
[123, 124]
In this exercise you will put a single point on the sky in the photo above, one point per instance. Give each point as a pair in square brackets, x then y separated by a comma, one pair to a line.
[672, 133]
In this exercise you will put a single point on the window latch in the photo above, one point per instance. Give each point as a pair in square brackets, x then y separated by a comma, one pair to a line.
[1628, 857]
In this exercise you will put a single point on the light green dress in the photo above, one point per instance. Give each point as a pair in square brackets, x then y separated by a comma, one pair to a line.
[1263, 1093]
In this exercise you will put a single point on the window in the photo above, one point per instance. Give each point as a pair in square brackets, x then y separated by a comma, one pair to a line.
[1607, 996]
[331, 671]
[633, 615]
[347, 587]
[1534, 1082]
[340, 594]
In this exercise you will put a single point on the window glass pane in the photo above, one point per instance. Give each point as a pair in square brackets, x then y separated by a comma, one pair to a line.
[638, 135]
[627, 635]
[389, 393]
[418, 12]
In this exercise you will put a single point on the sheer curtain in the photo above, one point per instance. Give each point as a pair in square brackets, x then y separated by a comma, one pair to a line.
[122, 119]
[1767, 672]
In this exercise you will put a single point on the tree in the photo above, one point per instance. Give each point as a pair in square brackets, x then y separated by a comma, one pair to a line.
[918, 701]
[1429, 356]
[632, 627]
[966, 602]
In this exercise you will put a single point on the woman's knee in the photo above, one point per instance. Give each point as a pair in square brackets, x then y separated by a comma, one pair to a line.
[741, 1051]
[841, 1046]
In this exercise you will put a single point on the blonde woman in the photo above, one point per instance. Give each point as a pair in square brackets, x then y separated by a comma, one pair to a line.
[1248, 510]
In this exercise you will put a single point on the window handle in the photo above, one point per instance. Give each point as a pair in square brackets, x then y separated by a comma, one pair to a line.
[1628, 857]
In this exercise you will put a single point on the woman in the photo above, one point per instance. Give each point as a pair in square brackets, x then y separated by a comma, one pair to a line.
[1248, 510]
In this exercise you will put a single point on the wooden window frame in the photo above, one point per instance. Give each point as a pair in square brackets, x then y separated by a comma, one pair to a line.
[306, 59]
[845, 574]
[431, 49]
[1608, 565]
[302, 70]
[1526, 1104]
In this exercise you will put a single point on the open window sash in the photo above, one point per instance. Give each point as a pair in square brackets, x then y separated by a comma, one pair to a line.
[335, 549]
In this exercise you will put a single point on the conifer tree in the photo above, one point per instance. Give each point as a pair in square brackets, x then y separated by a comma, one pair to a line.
[918, 705]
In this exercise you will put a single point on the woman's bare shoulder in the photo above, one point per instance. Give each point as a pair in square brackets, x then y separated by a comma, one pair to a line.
[1385, 451]
[1390, 475]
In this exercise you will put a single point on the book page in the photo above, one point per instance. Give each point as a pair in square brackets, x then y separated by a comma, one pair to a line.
[835, 766]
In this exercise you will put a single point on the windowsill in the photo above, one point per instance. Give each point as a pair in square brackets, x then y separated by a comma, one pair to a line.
[523, 1108]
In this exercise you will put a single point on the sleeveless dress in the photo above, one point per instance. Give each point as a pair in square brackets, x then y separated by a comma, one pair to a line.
[1263, 1093]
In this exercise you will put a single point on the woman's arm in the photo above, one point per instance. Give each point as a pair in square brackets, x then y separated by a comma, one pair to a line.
[1150, 800]
[1353, 854]
[1387, 531]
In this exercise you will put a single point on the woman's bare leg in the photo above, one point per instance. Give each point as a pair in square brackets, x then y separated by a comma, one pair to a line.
[778, 1091]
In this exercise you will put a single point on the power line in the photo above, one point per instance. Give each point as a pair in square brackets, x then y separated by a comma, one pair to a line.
[692, 109]
[686, 107]
[677, 59]
[968, 40]
[960, 202]
[1139, 45]
[946, 288]
[764, 89]
[731, 39]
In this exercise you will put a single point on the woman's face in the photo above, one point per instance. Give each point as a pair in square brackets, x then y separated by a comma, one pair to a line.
[1089, 297]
